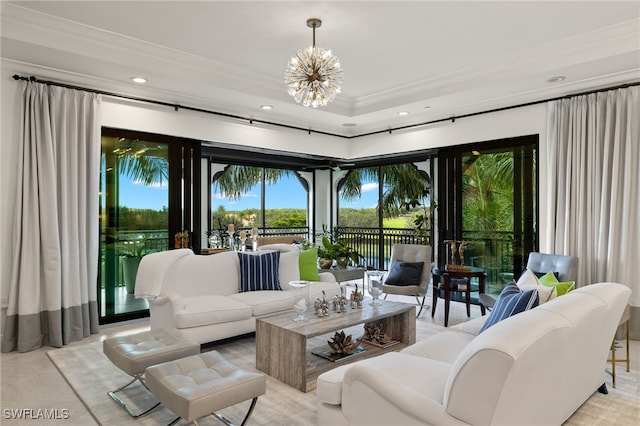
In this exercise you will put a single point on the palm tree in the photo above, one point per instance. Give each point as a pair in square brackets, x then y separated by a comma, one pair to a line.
[403, 185]
[238, 180]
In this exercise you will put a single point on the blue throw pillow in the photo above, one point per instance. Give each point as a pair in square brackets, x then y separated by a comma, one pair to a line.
[404, 273]
[259, 271]
[511, 301]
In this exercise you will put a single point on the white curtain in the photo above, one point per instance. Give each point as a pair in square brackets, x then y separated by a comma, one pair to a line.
[53, 289]
[594, 185]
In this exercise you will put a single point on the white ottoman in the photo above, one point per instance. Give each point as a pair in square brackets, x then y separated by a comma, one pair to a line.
[135, 352]
[201, 384]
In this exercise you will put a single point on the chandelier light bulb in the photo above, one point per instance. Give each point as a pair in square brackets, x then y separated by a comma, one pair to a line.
[313, 77]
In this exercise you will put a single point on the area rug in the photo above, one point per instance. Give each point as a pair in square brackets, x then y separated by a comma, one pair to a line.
[92, 375]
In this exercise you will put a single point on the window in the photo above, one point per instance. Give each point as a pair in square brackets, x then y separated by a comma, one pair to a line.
[272, 200]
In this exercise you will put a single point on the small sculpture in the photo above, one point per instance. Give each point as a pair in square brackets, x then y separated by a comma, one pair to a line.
[356, 299]
[321, 306]
[373, 332]
[341, 344]
[340, 302]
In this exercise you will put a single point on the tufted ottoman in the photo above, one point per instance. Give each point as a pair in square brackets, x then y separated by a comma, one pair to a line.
[135, 352]
[201, 384]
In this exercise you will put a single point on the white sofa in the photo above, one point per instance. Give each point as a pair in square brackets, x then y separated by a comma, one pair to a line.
[534, 368]
[198, 297]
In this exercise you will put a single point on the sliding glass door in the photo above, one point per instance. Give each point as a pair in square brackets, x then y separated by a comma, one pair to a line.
[487, 196]
[134, 218]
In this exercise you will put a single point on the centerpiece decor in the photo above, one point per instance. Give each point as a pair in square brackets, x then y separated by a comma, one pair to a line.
[374, 335]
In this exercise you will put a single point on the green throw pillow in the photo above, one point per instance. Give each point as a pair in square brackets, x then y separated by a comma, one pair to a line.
[550, 280]
[308, 263]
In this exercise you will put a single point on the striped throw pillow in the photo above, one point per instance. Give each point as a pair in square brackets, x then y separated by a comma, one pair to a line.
[259, 271]
[511, 301]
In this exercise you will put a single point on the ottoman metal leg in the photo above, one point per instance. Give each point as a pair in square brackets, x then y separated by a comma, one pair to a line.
[121, 403]
[135, 352]
[244, 422]
[223, 418]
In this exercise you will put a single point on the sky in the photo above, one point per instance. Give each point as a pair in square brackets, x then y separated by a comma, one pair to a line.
[287, 193]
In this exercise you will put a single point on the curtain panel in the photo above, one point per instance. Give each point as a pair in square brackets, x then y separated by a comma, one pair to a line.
[594, 185]
[53, 289]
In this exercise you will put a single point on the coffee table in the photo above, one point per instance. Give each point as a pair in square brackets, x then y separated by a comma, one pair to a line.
[284, 346]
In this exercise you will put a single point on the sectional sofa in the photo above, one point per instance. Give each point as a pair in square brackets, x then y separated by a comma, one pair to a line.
[534, 368]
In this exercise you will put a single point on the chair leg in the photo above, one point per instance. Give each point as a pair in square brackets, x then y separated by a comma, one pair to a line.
[421, 304]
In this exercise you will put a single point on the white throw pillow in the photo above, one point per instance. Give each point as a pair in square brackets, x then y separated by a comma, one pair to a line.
[529, 281]
[289, 269]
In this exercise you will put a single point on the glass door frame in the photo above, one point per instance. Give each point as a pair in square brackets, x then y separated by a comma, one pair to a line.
[449, 172]
[184, 204]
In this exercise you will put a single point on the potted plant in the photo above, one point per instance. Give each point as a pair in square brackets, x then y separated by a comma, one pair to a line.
[333, 249]
[131, 253]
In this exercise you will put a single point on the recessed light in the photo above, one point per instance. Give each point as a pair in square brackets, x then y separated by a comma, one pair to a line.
[349, 124]
[427, 107]
[556, 79]
[403, 113]
[266, 107]
[139, 80]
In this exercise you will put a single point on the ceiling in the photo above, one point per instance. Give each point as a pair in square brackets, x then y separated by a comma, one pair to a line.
[431, 59]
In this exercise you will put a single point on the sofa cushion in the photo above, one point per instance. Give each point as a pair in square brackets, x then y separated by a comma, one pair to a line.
[472, 326]
[212, 309]
[308, 265]
[259, 271]
[511, 301]
[404, 273]
[404, 367]
[550, 280]
[445, 346]
[265, 302]
[289, 269]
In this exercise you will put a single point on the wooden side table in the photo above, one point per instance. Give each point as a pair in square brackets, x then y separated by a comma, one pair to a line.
[442, 288]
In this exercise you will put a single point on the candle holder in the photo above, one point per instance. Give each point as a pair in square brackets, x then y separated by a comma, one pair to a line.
[232, 241]
[374, 285]
[300, 299]
[254, 239]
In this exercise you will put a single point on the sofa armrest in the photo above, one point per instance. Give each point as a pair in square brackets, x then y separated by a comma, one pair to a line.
[368, 387]
[173, 299]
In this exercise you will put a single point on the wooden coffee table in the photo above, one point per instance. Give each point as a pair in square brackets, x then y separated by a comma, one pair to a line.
[283, 346]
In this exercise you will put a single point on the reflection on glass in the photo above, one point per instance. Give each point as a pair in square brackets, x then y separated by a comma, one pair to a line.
[133, 217]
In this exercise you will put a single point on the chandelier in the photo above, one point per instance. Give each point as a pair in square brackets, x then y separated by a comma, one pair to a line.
[313, 76]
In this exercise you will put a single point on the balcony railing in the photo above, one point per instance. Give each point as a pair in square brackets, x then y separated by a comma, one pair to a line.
[493, 250]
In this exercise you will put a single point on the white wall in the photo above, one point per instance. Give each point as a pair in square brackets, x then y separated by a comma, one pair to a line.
[156, 119]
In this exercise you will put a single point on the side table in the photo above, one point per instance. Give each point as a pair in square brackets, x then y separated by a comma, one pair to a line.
[626, 316]
[443, 287]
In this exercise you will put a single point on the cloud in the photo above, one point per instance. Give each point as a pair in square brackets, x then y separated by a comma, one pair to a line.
[161, 185]
[373, 186]
[220, 196]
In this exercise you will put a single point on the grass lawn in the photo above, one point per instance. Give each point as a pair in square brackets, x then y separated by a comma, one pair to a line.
[396, 222]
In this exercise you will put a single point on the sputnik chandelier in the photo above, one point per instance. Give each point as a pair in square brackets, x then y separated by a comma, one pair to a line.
[313, 76]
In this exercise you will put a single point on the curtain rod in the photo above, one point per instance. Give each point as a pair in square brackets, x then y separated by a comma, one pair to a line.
[309, 131]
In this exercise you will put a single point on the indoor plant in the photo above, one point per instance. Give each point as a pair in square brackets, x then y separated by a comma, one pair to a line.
[333, 249]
